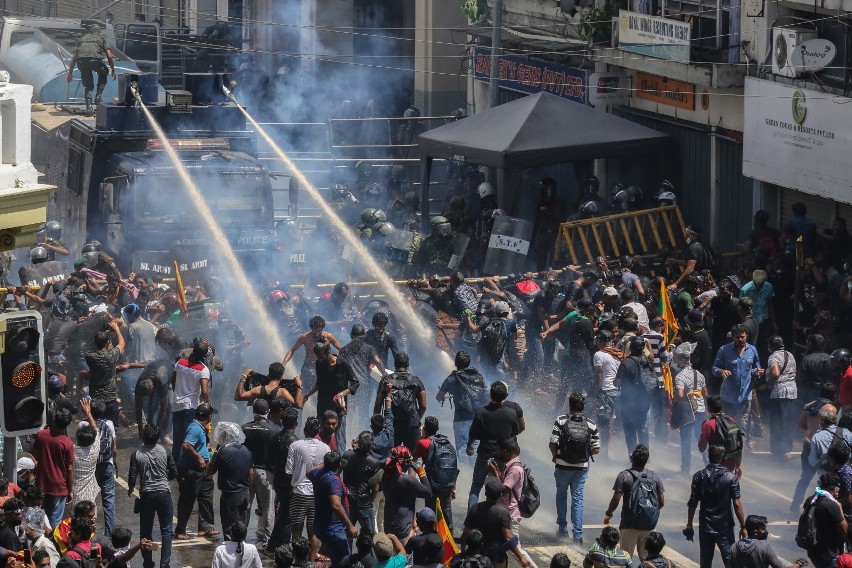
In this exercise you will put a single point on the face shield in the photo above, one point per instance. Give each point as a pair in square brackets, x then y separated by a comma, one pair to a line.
[91, 258]
[443, 230]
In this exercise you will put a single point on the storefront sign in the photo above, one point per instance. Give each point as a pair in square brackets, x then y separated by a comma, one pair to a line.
[654, 36]
[532, 76]
[608, 89]
[666, 91]
[798, 139]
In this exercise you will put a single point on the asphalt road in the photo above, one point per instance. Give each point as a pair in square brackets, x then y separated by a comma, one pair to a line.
[767, 489]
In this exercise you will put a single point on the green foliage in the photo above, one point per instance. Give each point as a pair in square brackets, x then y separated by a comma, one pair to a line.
[474, 10]
[595, 25]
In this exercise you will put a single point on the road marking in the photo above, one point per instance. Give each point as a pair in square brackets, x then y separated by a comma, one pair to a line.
[124, 484]
[768, 489]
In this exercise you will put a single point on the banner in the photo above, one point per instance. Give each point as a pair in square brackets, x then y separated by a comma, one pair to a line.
[654, 36]
[532, 76]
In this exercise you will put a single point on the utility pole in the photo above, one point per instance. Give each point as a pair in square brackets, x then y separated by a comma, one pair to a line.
[494, 82]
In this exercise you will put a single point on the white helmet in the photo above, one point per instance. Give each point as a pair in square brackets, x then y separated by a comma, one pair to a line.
[485, 189]
[667, 196]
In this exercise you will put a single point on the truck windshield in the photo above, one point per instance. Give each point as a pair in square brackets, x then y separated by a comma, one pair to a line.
[234, 198]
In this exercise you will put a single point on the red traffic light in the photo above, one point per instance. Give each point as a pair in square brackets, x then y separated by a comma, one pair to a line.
[25, 373]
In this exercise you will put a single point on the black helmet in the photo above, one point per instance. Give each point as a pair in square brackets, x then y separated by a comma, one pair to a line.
[664, 186]
[840, 359]
[91, 246]
[54, 229]
[457, 203]
[637, 345]
[38, 255]
[398, 172]
[589, 209]
[412, 200]
[591, 185]
[358, 330]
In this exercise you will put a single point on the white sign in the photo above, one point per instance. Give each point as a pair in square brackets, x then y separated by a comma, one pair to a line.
[505, 242]
[814, 54]
[798, 139]
[608, 89]
[654, 36]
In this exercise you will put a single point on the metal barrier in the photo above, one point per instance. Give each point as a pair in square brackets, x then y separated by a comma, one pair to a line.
[633, 233]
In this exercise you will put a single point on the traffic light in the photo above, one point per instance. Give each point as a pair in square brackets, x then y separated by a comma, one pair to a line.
[23, 392]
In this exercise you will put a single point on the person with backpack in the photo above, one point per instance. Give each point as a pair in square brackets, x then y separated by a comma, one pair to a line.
[274, 388]
[359, 475]
[689, 383]
[717, 490]
[698, 257]
[493, 422]
[637, 380]
[468, 392]
[497, 330]
[105, 467]
[493, 520]
[472, 556]
[440, 458]
[829, 433]
[737, 364]
[822, 526]
[573, 441]
[82, 552]
[754, 550]
[643, 495]
[153, 467]
[408, 401]
[654, 544]
[720, 429]
[513, 476]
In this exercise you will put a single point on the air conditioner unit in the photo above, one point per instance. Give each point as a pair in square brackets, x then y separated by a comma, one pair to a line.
[785, 41]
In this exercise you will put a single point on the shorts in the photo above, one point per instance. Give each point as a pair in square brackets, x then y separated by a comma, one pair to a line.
[302, 511]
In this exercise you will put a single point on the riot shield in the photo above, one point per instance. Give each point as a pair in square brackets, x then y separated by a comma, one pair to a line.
[460, 243]
[508, 246]
[44, 273]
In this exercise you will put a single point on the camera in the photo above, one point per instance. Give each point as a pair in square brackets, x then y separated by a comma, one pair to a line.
[256, 380]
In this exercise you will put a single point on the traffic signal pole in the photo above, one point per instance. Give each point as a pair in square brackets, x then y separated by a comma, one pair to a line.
[10, 457]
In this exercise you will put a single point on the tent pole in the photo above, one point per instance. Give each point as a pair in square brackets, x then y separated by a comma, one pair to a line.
[496, 44]
[425, 174]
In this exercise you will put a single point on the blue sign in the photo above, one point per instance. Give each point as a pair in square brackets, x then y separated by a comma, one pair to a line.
[532, 76]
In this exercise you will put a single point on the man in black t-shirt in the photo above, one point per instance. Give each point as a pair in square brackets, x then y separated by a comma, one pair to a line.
[335, 381]
[380, 339]
[408, 402]
[829, 522]
[259, 433]
[695, 257]
[495, 524]
[154, 383]
[491, 424]
[233, 464]
[360, 478]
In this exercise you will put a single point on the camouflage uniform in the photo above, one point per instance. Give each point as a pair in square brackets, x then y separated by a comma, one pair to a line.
[434, 255]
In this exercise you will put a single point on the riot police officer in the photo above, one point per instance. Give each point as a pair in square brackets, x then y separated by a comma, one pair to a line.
[549, 214]
[49, 235]
[436, 250]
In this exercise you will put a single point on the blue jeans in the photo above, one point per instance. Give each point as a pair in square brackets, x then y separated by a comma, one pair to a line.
[689, 435]
[340, 433]
[480, 472]
[461, 430]
[105, 476]
[54, 506]
[707, 544]
[181, 419]
[160, 504]
[808, 472]
[336, 545]
[635, 422]
[575, 480]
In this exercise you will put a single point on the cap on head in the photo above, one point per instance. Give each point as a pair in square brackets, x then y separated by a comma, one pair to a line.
[501, 308]
[382, 546]
[695, 318]
[94, 28]
[425, 515]
[610, 291]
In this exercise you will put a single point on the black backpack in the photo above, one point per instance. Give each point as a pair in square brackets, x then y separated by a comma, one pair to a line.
[403, 398]
[731, 436]
[806, 534]
[530, 499]
[85, 560]
[642, 507]
[575, 441]
[442, 463]
[494, 339]
[475, 390]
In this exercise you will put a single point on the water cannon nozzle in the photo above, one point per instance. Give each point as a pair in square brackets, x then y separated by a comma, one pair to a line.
[226, 91]
[134, 88]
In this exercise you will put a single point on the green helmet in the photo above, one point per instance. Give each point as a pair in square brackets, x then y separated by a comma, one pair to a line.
[383, 228]
[441, 226]
[370, 216]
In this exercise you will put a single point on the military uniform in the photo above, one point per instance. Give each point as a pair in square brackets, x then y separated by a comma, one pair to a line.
[434, 256]
[89, 58]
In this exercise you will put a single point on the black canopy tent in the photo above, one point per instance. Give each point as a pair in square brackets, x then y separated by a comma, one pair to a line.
[536, 130]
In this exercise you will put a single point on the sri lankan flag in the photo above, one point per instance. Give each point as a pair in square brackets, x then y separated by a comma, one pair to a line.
[181, 292]
[669, 333]
[450, 548]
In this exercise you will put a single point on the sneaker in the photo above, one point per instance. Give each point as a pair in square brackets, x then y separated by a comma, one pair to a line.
[564, 531]
[578, 541]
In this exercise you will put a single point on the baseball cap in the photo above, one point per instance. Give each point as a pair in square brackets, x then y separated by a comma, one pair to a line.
[501, 308]
[425, 515]
[610, 291]
[25, 463]
[382, 546]
[584, 303]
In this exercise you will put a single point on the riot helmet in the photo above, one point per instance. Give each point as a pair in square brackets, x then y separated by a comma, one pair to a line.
[412, 200]
[457, 203]
[370, 216]
[92, 258]
[667, 198]
[287, 229]
[840, 359]
[441, 226]
[276, 296]
[664, 186]
[53, 229]
[398, 172]
[591, 185]
[485, 189]
[372, 193]
[589, 209]
[38, 255]
[383, 228]
[93, 245]
[358, 330]
[636, 345]
[411, 112]
[548, 188]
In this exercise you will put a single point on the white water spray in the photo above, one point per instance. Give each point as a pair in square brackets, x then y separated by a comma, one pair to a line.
[418, 329]
[254, 302]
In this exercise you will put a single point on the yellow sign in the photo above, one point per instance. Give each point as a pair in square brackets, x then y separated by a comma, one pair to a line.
[666, 91]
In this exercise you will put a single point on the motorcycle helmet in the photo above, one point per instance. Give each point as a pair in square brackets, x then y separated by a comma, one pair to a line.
[485, 189]
[441, 226]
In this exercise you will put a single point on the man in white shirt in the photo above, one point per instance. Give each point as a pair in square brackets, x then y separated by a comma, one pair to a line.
[628, 297]
[191, 384]
[302, 457]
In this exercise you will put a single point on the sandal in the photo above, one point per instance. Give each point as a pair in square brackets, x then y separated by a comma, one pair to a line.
[183, 536]
[209, 534]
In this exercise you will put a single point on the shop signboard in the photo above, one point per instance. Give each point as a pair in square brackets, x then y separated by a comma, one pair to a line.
[654, 36]
[798, 139]
[532, 76]
[666, 91]
[609, 88]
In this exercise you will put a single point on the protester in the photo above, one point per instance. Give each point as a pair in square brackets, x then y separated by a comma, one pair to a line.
[54, 455]
[331, 518]
[605, 553]
[235, 552]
